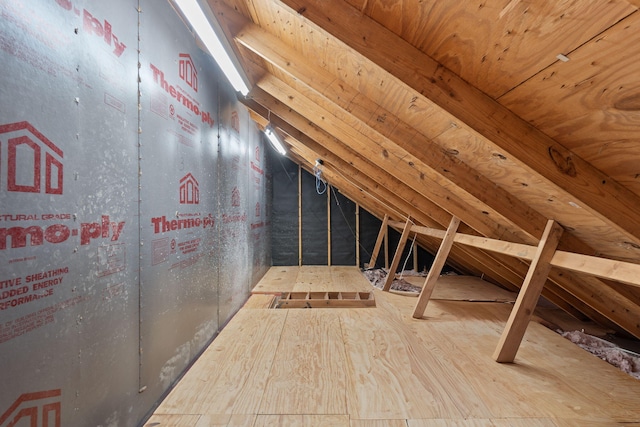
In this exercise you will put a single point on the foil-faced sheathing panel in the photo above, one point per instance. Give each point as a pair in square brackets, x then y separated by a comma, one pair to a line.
[113, 164]
[68, 210]
[259, 223]
[235, 212]
[178, 208]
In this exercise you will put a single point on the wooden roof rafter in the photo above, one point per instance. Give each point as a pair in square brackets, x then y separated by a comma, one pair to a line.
[353, 87]
[552, 292]
[483, 116]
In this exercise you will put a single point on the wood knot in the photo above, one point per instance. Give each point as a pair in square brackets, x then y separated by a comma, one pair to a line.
[630, 103]
[564, 164]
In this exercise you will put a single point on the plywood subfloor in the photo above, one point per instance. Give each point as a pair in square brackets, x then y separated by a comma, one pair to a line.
[464, 288]
[369, 367]
[312, 279]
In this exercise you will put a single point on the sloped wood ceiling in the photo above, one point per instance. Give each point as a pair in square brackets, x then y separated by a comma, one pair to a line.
[504, 113]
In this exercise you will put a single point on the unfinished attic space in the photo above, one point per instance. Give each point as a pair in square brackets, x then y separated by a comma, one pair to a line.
[341, 213]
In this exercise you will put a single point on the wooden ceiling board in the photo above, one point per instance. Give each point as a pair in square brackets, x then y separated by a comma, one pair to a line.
[494, 267]
[497, 44]
[405, 133]
[496, 125]
[594, 287]
[591, 104]
[616, 158]
[351, 173]
[391, 159]
[412, 171]
[381, 124]
[540, 194]
[378, 121]
[589, 174]
[499, 267]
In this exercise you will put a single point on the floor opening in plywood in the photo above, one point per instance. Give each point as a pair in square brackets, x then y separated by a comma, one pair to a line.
[324, 300]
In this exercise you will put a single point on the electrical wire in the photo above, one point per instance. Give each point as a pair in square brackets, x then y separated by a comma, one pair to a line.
[408, 255]
[335, 195]
[321, 184]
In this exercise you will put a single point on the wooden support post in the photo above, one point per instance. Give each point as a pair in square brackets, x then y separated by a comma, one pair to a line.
[376, 248]
[436, 268]
[528, 296]
[398, 255]
[357, 234]
[299, 215]
[329, 227]
[414, 248]
[386, 248]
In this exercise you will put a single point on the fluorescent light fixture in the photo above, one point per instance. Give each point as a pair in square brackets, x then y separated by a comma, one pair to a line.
[275, 141]
[203, 27]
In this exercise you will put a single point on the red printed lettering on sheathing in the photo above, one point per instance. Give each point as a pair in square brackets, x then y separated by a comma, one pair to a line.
[95, 26]
[41, 408]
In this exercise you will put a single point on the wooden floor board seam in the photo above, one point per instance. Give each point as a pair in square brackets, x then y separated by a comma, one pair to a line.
[273, 360]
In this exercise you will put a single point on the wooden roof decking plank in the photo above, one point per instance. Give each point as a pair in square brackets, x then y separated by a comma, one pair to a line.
[548, 201]
[492, 267]
[570, 243]
[487, 264]
[354, 167]
[526, 217]
[562, 277]
[529, 295]
[496, 46]
[393, 165]
[444, 169]
[394, 152]
[346, 161]
[551, 291]
[590, 103]
[480, 115]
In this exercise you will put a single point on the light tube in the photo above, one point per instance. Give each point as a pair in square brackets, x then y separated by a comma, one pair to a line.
[275, 140]
[196, 17]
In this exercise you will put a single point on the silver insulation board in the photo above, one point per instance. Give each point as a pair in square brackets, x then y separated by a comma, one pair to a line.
[179, 197]
[113, 241]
